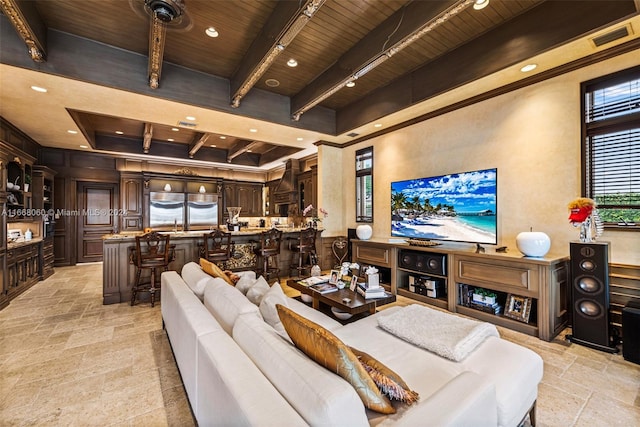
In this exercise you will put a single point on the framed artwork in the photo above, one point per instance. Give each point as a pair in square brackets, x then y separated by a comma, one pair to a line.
[518, 308]
[333, 278]
[354, 283]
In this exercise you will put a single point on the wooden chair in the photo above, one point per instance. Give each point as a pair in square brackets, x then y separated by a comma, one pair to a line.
[218, 247]
[269, 251]
[153, 251]
[305, 249]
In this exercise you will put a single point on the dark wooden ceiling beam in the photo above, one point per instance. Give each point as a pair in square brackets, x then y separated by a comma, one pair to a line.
[399, 26]
[27, 22]
[240, 148]
[197, 143]
[157, 37]
[283, 25]
[146, 137]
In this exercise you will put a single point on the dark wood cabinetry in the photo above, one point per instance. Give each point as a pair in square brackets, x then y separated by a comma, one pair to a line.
[307, 191]
[131, 202]
[247, 195]
[23, 268]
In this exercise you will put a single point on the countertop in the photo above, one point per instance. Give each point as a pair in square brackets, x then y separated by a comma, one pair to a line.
[22, 242]
[245, 231]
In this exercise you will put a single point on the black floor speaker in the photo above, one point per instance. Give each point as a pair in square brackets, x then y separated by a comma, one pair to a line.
[631, 332]
[590, 296]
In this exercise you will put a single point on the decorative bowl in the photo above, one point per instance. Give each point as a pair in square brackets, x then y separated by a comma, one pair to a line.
[306, 298]
[533, 243]
[341, 314]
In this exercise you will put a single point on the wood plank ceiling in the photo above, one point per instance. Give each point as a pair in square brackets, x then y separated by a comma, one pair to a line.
[335, 39]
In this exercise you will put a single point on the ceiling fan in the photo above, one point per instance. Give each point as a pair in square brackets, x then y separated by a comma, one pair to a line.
[163, 15]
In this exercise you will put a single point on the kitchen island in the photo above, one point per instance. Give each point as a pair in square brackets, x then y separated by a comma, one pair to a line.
[119, 271]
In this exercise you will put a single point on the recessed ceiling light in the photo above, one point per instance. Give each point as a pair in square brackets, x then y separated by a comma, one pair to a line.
[175, 129]
[83, 146]
[72, 132]
[253, 130]
[350, 84]
[190, 118]
[292, 63]
[119, 132]
[223, 137]
[211, 32]
[39, 89]
[213, 145]
[272, 82]
[170, 139]
[480, 4]
[528, 67]
[300, 139]
[248, 151]
[377, 125]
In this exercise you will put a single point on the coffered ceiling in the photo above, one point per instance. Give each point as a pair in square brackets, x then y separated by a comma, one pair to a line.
[147, 70]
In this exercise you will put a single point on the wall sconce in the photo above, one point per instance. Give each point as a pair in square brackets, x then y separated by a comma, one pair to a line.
[202, 190]
[167, 187]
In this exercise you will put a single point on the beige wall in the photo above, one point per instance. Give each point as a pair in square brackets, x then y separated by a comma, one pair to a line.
[531, 135]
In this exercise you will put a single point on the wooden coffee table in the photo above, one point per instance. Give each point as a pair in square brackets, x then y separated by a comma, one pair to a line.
[357, 304]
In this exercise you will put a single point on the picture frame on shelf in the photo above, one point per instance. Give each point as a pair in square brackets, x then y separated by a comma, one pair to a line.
[518, 308]
[334, 277]
[354, 283]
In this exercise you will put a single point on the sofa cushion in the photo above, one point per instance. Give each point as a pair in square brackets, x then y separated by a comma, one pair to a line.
[327, 350]
[274, 295]
[245, 283]
[195, 278]
[258, 290]
[214, 271]
[226, 304]
[319, 396]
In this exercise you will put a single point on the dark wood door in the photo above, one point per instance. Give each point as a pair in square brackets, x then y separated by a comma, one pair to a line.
[97, 207]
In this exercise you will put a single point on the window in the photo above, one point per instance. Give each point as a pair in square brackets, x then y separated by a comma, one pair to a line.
[611, 147]
[364, 185]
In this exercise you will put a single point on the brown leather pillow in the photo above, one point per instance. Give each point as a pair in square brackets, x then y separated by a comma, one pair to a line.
[327, 350]
[213, 270]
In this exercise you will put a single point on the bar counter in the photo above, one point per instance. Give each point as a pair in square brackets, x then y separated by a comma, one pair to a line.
[119, 271]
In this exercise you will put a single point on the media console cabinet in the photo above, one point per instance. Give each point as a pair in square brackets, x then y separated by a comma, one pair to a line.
[447, 275]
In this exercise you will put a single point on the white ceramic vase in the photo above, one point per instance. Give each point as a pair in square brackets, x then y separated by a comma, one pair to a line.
[364, 231]
[533, 243]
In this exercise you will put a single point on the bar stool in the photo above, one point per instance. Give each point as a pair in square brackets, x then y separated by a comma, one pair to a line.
[218, 248]
[269, 250]
[153, 251]
[305, 249]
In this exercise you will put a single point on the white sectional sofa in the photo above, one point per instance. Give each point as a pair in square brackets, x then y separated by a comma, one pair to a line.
[240, 370]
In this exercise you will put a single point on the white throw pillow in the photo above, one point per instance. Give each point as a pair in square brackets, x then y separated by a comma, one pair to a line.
[274, 296]
[258, 290]
[245, 283]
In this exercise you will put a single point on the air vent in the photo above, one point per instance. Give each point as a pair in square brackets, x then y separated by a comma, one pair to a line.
[187, 124]
[611, 36]
[353, 134]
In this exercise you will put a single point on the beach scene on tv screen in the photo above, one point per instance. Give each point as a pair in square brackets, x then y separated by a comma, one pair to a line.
[456, 207]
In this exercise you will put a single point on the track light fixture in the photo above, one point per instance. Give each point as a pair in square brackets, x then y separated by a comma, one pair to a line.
[388, 53]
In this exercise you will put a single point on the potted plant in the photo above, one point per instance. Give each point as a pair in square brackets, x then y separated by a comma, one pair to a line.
[484, 296]
[27, 182]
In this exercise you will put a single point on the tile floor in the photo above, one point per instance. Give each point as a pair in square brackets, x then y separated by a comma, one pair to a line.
[66, 359]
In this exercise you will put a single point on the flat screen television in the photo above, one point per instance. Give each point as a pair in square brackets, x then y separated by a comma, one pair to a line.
[459, 207]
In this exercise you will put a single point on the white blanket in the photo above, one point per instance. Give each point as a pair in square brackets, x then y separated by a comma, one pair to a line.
[445, 334]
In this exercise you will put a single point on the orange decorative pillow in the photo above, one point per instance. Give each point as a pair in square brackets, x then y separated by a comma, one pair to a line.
[327, 350]
[213, 270]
